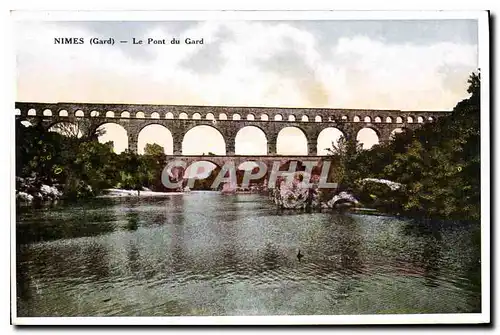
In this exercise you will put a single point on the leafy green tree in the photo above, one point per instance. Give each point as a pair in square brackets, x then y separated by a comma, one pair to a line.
[77, 165]
[437, 163]
[441, 166]
[92, 169]
[153, 149]
[155, 160]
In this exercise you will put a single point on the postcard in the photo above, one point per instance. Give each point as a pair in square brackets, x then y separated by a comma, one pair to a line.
[232, 167]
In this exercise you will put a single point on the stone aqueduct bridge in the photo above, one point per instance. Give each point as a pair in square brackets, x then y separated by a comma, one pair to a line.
[179, 119]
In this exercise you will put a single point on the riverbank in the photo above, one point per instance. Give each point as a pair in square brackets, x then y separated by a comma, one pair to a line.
[118, 193]
[28, 190]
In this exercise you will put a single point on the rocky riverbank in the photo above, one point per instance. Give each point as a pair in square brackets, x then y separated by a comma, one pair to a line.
[294, 191]
[29, 190]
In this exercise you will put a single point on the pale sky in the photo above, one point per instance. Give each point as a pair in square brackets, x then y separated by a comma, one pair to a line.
[407, 65]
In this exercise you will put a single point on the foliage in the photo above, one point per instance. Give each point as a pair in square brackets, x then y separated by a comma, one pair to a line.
[153, 149]
[78, 165]
[438, 164]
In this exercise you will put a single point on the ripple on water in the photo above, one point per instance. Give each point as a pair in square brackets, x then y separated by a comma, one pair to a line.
[213, 255]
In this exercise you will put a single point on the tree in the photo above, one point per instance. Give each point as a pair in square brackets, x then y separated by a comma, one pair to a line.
[441, 166]
[92, 170]
[437, 163]
[153, 149]
[83, 129]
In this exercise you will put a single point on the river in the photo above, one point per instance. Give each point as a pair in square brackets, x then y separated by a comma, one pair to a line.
[212, 254]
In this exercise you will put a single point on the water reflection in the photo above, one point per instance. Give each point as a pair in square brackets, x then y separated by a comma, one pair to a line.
[207, 254]
[133, 259]
[132, 220]
[431, 255]
[350, 241]
[473, 273]
[426, 258]
[270, 257]
[96, 262]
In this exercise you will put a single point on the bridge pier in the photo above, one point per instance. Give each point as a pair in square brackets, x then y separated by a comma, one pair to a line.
[384, 134]
[132, 142]
[271, 148]
[177, 149]
[350, 133]
[312, 148]
[230, 150]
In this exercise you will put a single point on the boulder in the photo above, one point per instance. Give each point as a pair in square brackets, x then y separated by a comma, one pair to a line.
[342, 200]
[23, 196]
[391, 184]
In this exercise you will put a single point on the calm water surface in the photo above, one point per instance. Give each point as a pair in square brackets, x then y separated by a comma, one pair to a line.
[210, 254]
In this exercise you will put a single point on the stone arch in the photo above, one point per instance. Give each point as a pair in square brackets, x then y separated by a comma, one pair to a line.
[196, 116]
[26, 123]
[249, 165]
[409, 119]
[210, 116]
[327, 138]
[213, 141]
[125, 114]
[430, 119]
[155, 115]
[79, 113]
[278, 117]
[140, 115]
[47, 112]
[250, 117]
[110, 114]
[169, 115]
[420, 119]
[67, 129]
[291, 118]
[250, 140]
[368, 136]
[399, 119]
[63, 112]
[286, 165]
[31, 112]
[367, 119]
[115, 133]
[93, 114]
[304, 118]
[344, 118]
[236, 117]
[378, 119]
[356, 119]
[292, 141]
[388, 119]
[158, 134]
[17, 111]
[264, 117]
[200, 169]
[318, 118]
[222, 116]
[183, 116]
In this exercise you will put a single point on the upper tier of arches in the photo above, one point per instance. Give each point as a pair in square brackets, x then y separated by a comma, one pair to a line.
[214, 114]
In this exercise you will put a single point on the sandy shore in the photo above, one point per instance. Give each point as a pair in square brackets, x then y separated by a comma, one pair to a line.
[117, 193]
